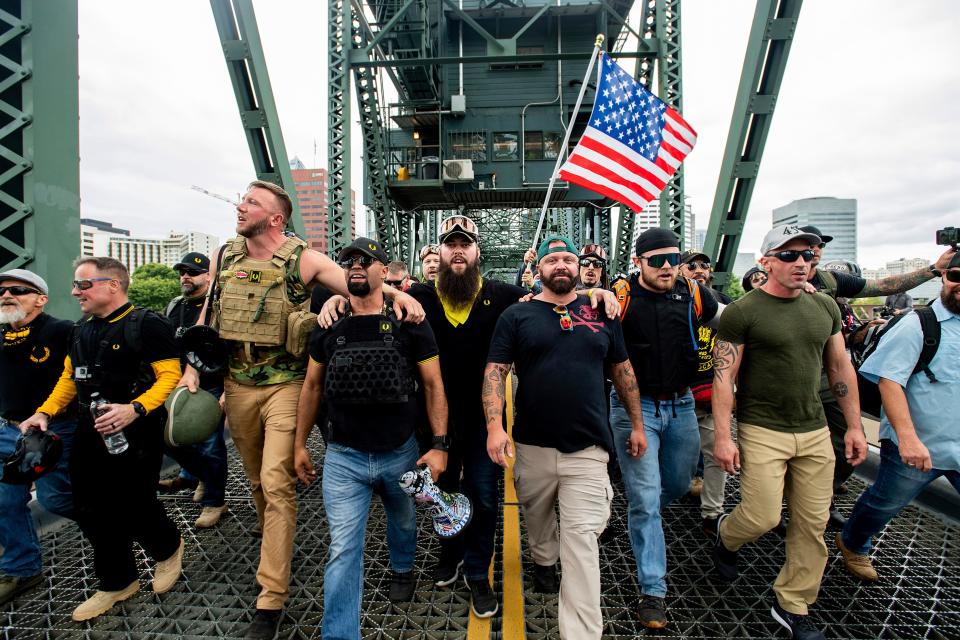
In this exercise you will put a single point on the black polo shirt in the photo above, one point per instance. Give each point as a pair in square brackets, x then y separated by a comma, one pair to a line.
[31, 361]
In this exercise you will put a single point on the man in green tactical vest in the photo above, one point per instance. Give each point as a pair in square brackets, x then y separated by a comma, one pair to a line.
[260, 306]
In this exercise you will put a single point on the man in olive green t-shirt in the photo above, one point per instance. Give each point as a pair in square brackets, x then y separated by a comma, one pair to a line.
[773, 343]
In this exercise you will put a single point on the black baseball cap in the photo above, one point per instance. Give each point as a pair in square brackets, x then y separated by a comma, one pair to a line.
[367, 247]
[690, 254]
[193, 261]
[815, 231]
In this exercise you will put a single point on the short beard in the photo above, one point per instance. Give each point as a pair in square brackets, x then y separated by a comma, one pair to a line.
[188, 289]
[358, 289]
[557, 285]
[459, 289]
[654, 282]
[11, 317]
[255, 230]
[950, 301]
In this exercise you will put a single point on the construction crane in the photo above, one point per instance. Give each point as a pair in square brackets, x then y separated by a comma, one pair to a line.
[234, 202]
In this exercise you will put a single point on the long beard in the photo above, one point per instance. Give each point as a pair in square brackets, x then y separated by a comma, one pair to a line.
[255, 230]
[459, 289]
[950, 301]
[9, 317]
[559, 284]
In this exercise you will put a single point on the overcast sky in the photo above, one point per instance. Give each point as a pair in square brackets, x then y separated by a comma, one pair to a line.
[867, 110]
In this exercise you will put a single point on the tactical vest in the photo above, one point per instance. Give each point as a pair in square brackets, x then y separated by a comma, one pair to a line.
[369, 371]
[258, 297]
[828, 283]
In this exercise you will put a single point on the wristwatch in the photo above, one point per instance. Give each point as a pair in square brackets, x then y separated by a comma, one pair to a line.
[139, 408]
[440, 443]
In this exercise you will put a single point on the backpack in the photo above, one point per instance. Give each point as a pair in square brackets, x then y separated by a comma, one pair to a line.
[621, 289]
[870, 402]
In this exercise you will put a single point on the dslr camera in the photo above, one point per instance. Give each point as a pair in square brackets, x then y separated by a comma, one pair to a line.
[948, 236]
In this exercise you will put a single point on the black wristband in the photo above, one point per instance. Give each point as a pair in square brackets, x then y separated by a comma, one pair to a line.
[440, 443]
[139, 408]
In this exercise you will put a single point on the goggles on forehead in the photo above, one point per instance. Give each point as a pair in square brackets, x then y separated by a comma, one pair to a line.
[462, 224]
[427, 250]
[593, 249]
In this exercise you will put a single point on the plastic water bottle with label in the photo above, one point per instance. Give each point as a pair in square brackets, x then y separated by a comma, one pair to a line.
[117, 442]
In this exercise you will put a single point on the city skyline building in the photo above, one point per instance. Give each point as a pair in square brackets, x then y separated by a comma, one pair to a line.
[101, 238]
[835, 217]
[311, 189]
[649, 218]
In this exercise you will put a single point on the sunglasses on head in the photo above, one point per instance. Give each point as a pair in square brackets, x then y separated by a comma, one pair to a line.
[592, 262]
[953, 275]
[83, 285]
[364, 261]
[427, 250]
[792, 255]
[18, 290]
[659, 260]
[566, 322]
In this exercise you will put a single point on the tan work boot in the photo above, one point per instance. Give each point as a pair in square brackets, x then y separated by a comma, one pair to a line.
[210, 516]
[859, 565]
[199, 491]
[696, 486]
[102, 601]
[167, 571]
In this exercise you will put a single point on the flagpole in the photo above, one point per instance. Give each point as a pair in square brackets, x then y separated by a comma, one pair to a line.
[566, 138]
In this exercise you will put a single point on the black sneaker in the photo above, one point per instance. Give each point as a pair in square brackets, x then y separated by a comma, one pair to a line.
[724, 560]
[12, 586]
[652, 612]
[709, 526]
[800, 627]
[482, 599]
[446, 571]
[545, 579]
[265, 625]
[402, 586]
[836, 520]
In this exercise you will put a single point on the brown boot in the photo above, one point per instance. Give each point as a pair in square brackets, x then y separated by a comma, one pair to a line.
[167, 572]
[857, 564]
[199, 491]
[210, 516]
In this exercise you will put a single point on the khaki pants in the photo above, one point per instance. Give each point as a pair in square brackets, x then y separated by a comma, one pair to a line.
[714, 478]
[263, 421]
[580, 482]
[803, 462]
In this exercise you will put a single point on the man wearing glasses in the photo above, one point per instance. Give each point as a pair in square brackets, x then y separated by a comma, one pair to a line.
[919, 441]
[772, 344]
[133, 367]
[372, 411]
[662, 314]
[31, 360]
[429, 262]
[204, 465]
[593, 268]
[565, 349]
[398, 276]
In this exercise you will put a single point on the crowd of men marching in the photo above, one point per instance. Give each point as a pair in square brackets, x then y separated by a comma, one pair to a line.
[642, 374]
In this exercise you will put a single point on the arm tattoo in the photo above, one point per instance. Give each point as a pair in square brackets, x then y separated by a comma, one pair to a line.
[724, 357]
[840, 390]
[894, 284]
[493, 392]
[624, 379]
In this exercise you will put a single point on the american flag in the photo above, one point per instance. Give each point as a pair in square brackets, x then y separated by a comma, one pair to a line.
[633, 143]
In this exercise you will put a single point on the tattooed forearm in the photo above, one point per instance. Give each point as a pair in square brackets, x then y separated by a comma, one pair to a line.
[840, 390]
[724, 358]
[493, 393]
[894, 284]
[624, 379]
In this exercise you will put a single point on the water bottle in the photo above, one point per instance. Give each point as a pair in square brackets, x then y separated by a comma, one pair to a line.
[116, 443]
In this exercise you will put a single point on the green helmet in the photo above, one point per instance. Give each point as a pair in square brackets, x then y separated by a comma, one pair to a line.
[191, 417]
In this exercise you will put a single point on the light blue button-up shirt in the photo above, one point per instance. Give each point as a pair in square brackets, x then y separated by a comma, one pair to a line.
[934, 407]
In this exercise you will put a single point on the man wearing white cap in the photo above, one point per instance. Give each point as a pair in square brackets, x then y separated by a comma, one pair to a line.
[773, 344]
[31, 360]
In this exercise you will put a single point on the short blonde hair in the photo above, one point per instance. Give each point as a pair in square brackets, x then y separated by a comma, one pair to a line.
[286, 204]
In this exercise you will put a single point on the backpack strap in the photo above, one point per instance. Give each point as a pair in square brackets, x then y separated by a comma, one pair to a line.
[621, 289]
[695, 296]
[133, 329]
[931, 341]
[172, 305]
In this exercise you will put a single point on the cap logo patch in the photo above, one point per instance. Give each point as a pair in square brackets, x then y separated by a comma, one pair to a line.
[486, 303]
[197, 260]
[791, 231]
[116, 347]
[371, 246]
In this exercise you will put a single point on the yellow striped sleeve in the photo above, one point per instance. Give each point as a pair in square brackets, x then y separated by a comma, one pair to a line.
[430, 359]
[63, 392]
[168, 374]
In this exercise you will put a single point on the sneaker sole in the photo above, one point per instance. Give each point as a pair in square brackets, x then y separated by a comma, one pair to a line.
[653, 624]
[486, 614]
[783, 623]
[450, 581]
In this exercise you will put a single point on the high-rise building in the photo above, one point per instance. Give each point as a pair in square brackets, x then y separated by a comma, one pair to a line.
[835, 217]
[311, 188]
[136, 252]
[650, 218]
[95, 236]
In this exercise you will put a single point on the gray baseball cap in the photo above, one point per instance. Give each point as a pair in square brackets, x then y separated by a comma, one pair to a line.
[26, 276]
[779, 236]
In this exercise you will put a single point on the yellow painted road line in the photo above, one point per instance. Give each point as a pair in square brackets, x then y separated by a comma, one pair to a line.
[512, 604]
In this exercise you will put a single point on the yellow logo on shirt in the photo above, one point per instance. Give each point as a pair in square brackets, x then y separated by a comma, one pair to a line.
[40, 358]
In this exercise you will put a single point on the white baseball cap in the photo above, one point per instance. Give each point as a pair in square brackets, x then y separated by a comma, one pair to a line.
[779, 236]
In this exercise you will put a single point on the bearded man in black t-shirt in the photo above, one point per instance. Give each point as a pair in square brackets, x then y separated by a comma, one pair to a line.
[563, 350]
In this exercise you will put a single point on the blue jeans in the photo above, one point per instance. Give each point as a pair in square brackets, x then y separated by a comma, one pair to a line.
[206, 461]
[896, 485]
[350, 477]
[655, 479]
[18, 537]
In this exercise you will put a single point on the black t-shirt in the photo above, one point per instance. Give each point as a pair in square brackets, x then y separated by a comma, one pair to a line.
[373, 426]
[561, 399]
[31, 360]
[848, 285]
[319, 297]
[706, 336]
[184, 314]
[464, 348]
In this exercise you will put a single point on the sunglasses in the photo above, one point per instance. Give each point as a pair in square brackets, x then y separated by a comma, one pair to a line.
[364, 261]
[394, 283]
[83, 285]
[953, 275]
[658, 261]
[594, 249]
[463, 222]
[592, 262]
[18, 290]
[427, 250]
[696, 264]
[792, 255]
[191, 272]
[566, 322]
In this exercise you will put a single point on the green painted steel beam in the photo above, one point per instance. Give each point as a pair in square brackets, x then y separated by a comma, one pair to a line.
[243, 52]
[339, 205]
[670, 84]
[764, 65]
[359, 61]
[39, 144]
